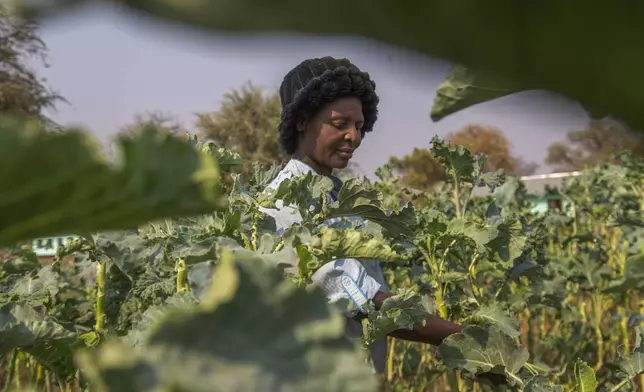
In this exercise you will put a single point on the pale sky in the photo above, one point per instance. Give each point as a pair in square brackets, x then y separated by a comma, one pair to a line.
[111, 66]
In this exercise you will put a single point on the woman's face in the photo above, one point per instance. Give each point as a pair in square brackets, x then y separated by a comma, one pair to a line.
[328, 139]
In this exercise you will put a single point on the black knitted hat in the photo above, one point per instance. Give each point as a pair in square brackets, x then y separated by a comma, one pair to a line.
[316, 82]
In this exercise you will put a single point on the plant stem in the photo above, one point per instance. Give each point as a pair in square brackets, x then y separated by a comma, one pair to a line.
[457, 195]
[390, 359]
[279, 246]
[100, 296]
[597, 310]
[472, 273]
[181, 276]
[452, 380]
[39, 374]
[47, 381]
[253, 230]
[11, 369]
[16, 371]
[618, 386]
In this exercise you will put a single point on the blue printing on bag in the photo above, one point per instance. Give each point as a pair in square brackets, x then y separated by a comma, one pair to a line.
[350, 286]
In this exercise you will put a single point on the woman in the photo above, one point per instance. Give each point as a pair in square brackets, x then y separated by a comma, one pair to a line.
[328, 106]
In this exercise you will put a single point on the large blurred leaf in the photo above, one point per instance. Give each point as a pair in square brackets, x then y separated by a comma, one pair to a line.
[551, 45]
[254, 331]
[463, 88]
[58, 183]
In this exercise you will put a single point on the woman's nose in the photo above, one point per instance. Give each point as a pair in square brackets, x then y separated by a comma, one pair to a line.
[354, 136]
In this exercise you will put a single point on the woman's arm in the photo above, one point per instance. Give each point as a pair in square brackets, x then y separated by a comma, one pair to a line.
[360, 287]
[433, 332]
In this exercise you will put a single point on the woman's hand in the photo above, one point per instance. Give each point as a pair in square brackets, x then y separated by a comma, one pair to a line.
[347, 279]
[433, 332]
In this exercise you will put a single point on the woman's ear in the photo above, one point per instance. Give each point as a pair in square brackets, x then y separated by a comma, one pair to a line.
[301, 126]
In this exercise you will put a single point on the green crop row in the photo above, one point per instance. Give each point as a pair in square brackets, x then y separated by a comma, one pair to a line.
[178, 281]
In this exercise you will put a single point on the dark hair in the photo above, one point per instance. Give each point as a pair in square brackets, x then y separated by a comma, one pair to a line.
[317, 82]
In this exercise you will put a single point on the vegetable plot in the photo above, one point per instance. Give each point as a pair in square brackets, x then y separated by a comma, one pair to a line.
[208, 298]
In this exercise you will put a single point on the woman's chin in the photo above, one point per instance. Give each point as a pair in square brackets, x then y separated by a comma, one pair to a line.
[340, 163]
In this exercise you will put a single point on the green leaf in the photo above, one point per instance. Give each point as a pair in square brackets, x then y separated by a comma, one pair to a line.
[200, 278]
[259, 177]
[495, 179]
[43, 195]
[153, 316]
[46, 280]
[252, 331]
[267, 243]
[481, 349]
[479, 233]
[464, 87]
[225, 158]
[453, 276]
[286, 259]
[522, 266]
[542, 384]
[403, 310]
[43, 337]
[633, 275]
[300, 190]
[457, 161]
[510, 241]
[633, 365]
[125, 249]
[358, 198]
[505, 194]
[585, 380]
[193, 251]
[494, 314]
[296, 235]
[330, 244]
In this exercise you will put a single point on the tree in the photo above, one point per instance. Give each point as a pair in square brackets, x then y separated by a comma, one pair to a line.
[524, 168]
[247, 123]
[492, 142]
[598, 142]
[419, 169]
[21, 91]
[163, 121]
